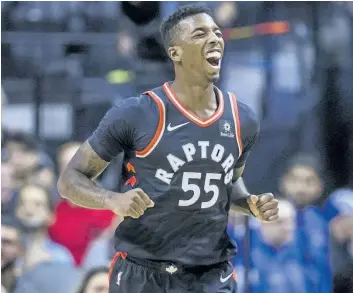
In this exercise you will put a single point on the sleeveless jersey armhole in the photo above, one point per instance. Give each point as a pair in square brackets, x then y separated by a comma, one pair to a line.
[160, 127]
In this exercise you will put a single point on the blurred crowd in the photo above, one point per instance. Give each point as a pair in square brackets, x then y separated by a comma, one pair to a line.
[47, 244]
[310, 248]
[50, 245]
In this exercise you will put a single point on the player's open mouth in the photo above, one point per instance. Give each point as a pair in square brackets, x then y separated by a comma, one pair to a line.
[214, 58]
[215, 62]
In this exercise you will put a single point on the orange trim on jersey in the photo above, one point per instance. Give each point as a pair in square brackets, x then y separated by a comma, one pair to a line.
[123, 255]
[234, 274]
[234, 105]
[197, 120]
[160, 128]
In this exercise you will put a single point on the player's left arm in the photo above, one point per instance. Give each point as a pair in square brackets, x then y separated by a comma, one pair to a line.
[263, 206]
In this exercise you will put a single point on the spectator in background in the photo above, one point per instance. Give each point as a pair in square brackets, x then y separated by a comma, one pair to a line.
[7, 188]
[44, 173]
[303, 184]
[30, 164]
[65, 153]
[35, 211]
[11, 251]
[48, 277]
[95, 281]
[226, 13]
[76, 227]
[236, 230]
[342, 241]
[275, 259]
[21, 150]
[102, 251]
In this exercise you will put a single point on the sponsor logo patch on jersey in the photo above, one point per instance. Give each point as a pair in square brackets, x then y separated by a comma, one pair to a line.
[226, 129]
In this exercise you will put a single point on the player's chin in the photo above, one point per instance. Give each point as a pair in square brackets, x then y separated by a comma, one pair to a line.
[212, 75]
[212, 72]
[211, 78]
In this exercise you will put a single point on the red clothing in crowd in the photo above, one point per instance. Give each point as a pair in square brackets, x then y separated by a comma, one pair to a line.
[76, 227]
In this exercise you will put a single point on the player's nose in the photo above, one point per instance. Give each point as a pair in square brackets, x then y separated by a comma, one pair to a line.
[214, 40]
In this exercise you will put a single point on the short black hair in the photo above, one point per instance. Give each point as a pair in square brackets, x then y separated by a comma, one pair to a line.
[308, 160]
[169, 25]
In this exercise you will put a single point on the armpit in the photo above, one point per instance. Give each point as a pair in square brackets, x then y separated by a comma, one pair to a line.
[238, 172]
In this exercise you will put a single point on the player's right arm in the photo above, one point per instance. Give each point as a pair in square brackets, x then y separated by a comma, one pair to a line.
[115, 133]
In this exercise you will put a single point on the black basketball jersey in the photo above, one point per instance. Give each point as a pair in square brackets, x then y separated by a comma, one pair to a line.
[185, 165]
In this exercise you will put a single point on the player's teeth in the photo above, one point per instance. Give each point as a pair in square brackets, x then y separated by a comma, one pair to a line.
[215, 54]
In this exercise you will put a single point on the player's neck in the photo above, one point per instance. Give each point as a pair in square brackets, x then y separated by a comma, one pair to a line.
[194, 96]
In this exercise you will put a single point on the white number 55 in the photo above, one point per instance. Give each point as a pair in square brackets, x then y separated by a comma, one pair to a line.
[208, 187]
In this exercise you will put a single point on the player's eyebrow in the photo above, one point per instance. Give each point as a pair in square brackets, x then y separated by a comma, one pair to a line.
[204, 28]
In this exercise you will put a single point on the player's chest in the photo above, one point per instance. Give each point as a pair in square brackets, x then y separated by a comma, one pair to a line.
[192, 144]
[182, 136]
[187, 147]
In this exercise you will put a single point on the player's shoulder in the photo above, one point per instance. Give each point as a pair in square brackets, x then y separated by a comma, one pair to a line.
[245, 111]
[248, 117]
[134, 103]
[137, 105]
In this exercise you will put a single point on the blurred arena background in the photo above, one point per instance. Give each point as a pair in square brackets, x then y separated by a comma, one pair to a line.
[65, 63]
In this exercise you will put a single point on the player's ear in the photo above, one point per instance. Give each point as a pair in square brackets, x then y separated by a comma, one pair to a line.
[175, 53]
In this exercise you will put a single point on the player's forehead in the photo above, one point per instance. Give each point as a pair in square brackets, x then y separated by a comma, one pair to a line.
[197, 21]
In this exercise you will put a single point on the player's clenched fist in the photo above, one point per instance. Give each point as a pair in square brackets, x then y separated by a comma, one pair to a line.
[264, 207]
[132, 203]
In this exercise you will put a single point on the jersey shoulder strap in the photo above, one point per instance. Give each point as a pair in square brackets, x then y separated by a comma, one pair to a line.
[235, 111]
[160, 126]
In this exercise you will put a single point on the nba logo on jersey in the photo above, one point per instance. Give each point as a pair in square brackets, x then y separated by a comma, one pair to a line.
[226, 129]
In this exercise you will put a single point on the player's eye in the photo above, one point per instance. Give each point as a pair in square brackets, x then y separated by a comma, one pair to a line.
[219, 34]
[199, 35]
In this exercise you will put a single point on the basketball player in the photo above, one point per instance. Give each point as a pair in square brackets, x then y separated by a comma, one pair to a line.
[185, 146]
